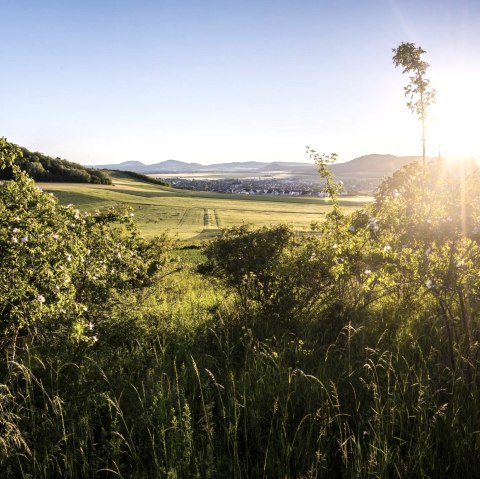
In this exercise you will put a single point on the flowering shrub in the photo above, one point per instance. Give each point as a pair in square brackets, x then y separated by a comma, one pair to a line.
[59, 265]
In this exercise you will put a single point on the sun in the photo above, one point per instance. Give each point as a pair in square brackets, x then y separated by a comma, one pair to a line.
[455, 119]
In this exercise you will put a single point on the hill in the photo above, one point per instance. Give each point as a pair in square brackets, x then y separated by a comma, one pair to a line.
[46, 168]
[373, 166]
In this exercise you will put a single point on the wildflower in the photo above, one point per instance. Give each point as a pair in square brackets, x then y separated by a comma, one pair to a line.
[387, 248]
[95, 339]
[69, 205]
[85, 308]
[14, 239]
[17, 219]
[132, 215]
[368, 271]
[429, 284]
[41, 298]
[351, 229]
[24, 239]
[57, 289]
[69, 257]
[15, 231]
[90, 326]
[335, 246]
[55, 236]
[373, 224]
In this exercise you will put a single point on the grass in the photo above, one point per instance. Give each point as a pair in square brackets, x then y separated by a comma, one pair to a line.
[195, 215]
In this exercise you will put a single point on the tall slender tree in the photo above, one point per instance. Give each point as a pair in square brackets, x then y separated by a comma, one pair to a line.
[419, 95]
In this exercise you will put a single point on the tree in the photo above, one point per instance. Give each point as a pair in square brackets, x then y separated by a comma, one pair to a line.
[419, 97]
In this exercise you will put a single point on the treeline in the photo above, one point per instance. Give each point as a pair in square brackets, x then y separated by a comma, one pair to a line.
[46, 168]
[142, 177]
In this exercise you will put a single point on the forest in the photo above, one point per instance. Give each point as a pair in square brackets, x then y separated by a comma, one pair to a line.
[42, 167]
[352, 351]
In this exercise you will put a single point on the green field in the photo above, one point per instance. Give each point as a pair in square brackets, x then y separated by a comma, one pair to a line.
[191, 214]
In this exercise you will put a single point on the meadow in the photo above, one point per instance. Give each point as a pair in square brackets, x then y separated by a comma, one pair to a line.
[192, 215]
[263, 353]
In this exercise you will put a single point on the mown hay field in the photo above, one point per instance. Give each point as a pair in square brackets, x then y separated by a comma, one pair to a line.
[191, 214]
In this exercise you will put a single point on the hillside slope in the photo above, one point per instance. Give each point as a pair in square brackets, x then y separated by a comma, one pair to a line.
[46, 168]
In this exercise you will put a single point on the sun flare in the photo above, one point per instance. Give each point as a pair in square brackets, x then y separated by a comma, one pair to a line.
[454, 120]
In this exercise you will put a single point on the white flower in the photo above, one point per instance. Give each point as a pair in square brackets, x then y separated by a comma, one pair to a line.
[132, 215]
[429, 284]
[40, 298]
[14, 239]
[335, 246]
[368, 271]
[351, 229]
[24, 239]
[386, 248]
[69, 257]
[85, 308]
[55, 236]
[373, 224]
[15, 231]
[90, 326]
[17, 219]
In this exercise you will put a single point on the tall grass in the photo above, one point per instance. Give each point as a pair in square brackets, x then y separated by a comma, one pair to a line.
[210, 397]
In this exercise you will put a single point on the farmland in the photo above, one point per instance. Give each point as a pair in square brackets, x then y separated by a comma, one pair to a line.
[190, 215]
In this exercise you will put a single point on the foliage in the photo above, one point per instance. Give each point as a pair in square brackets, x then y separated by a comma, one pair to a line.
[41, 167]
[409, 56]
[351, 352]
[59, 265]
[142, 177]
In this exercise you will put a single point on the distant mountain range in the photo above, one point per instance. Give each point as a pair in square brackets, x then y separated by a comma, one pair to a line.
[369, 166]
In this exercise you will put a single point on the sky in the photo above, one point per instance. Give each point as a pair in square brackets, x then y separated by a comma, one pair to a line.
[106, 81]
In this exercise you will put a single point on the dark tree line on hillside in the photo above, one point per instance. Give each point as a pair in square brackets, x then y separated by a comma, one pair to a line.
[45, 168]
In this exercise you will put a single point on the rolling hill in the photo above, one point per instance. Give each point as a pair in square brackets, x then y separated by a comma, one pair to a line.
[369, 166]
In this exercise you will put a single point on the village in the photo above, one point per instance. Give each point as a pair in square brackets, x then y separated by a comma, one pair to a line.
[268, 186]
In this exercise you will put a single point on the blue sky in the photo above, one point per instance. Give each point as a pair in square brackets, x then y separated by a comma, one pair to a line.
[212, 81]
